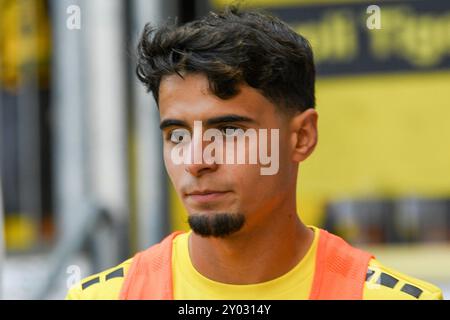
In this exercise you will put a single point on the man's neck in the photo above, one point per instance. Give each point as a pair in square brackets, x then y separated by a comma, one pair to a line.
[252, 256]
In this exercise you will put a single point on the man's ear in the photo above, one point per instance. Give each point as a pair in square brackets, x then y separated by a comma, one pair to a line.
[304, 134]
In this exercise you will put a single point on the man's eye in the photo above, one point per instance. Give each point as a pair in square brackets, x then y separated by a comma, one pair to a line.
[179, 135]
[231, 131]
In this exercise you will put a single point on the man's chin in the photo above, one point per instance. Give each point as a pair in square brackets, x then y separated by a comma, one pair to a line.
[216, 224]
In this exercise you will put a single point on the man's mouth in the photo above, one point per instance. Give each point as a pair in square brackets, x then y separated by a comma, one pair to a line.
[206, 195]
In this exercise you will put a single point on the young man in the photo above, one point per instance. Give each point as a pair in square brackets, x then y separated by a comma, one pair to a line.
[229, 74]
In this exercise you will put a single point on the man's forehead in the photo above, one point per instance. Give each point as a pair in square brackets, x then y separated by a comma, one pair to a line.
[190, 96]
[176, 84]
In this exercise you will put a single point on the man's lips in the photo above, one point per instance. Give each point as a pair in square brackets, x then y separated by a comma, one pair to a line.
[206, 196]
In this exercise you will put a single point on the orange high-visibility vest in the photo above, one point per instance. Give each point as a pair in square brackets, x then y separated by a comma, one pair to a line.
[340, 271]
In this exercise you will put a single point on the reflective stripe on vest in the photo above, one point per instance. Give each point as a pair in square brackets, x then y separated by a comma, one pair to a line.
[340, 271]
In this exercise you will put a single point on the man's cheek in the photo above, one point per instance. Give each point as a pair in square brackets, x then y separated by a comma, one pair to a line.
[168, 161]
[171, 170]
[170, 166]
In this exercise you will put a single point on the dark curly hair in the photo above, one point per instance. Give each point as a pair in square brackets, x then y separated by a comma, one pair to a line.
[231, 48]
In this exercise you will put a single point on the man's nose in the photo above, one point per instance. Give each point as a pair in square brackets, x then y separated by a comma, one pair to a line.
[200, 163]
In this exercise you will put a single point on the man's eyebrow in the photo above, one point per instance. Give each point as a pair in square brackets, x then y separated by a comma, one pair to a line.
[228, 118]
[172, 122]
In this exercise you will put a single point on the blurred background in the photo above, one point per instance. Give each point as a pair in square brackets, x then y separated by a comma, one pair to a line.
[82, 183]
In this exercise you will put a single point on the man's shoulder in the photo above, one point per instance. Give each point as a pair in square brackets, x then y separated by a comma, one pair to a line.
[384, 283]
[105, 285]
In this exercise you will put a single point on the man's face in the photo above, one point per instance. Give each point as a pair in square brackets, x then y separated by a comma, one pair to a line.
[209, 190]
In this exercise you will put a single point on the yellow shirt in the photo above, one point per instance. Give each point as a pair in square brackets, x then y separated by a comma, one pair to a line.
[381, 281]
